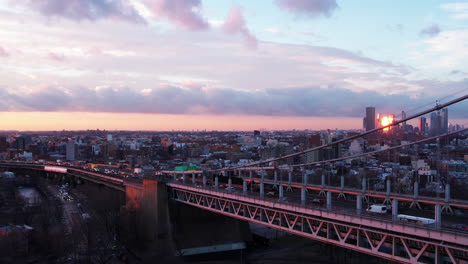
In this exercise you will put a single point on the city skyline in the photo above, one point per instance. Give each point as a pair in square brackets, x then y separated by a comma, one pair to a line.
[150, 65]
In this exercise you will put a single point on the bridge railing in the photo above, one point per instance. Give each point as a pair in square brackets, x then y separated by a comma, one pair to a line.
[343, 211]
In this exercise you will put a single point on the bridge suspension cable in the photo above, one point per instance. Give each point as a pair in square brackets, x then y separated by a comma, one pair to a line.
[381, 150]
[435, 108]
[452, 95]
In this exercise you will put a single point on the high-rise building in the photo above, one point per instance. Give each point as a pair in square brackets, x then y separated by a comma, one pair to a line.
[422, 125]
[370, 118]
[403, 116]
[439, 122]
[443, 118]
[435, 124]
[72, 150]
[20, 142]
[3, 144]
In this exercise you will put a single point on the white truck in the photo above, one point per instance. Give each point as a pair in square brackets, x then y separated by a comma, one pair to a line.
[379, 208]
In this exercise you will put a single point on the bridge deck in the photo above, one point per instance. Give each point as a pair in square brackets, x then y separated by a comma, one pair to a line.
[379, 237]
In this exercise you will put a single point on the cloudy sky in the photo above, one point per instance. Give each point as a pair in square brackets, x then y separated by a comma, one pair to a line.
[225, 64]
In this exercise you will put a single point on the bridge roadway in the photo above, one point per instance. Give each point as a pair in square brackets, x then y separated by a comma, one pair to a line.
[404, 198]
[118, 183]
[377, 235]
[114, 182]
[373, 194]
[338, 204]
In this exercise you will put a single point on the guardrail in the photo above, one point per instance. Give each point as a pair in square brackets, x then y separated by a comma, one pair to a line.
[349, 212]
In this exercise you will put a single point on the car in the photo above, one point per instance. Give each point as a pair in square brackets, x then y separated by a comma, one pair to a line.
[271, 193]
[318, 201]
[230, 188]
[85, 216]
[460, 227]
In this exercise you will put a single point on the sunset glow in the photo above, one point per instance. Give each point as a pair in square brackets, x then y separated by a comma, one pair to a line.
[386, 120]
[127, 121]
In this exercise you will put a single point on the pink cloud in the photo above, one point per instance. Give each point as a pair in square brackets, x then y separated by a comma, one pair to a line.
[181, 100]
[56, 57]
[235, 23]
[85, 9]
[310, 8]
[94, 51]
[3, 52]
[184, 13]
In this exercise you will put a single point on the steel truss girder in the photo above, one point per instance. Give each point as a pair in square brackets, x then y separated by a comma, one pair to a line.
[380, 243]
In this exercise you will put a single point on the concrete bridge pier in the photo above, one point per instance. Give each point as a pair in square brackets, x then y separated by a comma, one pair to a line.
[303, 195]
[216, 182]
[438, 215]
[359, 204]
[322, 191]
[184, 178]
[194, 178]
[275, 179]
[306, 180]
[387, 195]
[250, 174]
[262, 189]
[329, 200]
[281, 192]
[148, 207]
[204, 180]
[364, 188]
[447, 208]
[415, 202]
[395, 209]
[342, 194]
[244, 187]
[170, 229]
[289, 189]
[230, 184]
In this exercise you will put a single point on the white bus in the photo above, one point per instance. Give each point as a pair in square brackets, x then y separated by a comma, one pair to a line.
[415, 219]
